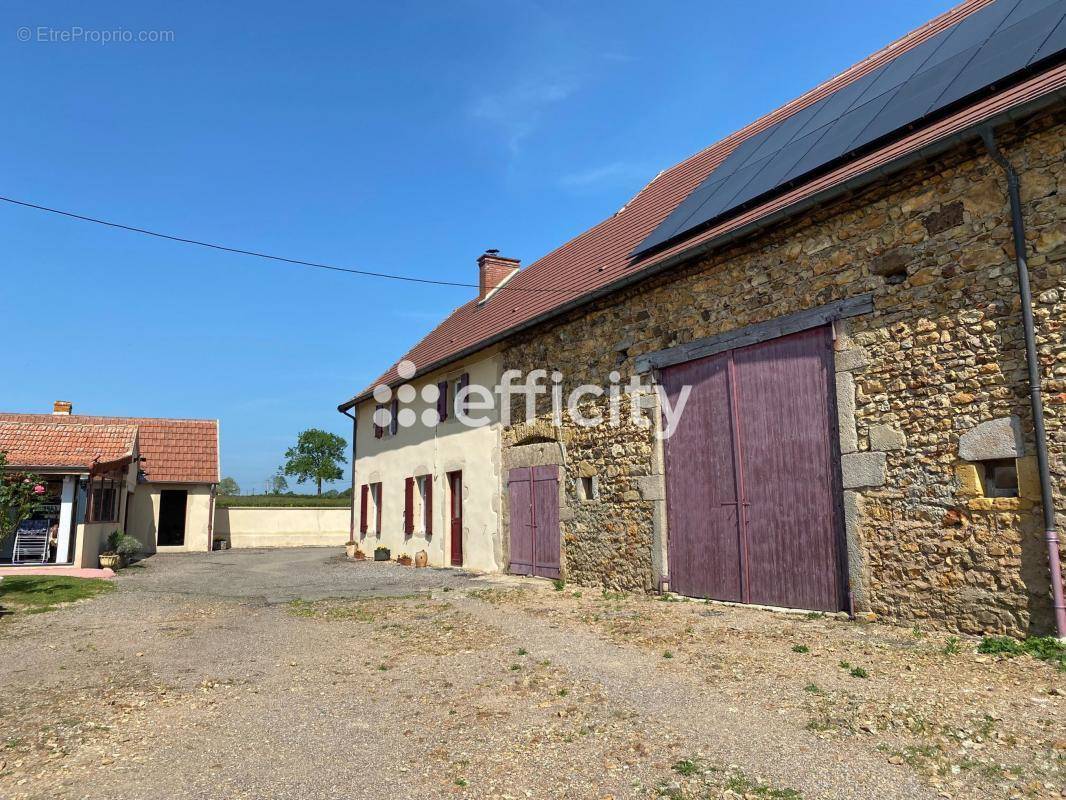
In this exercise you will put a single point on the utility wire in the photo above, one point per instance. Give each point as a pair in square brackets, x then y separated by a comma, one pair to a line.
[297, 261]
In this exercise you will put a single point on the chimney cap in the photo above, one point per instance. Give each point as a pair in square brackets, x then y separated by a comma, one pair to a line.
[492, 251]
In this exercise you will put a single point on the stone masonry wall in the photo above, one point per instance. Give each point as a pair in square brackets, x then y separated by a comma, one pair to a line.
[941, 353]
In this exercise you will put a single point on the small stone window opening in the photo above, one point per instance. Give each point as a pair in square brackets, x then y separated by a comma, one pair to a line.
[588, 488]
[1000, 477]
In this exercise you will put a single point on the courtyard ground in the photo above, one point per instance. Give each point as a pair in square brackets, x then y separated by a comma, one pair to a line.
[296, 674]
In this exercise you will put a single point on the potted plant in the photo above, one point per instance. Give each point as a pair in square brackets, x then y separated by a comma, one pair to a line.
[120, 548]
[382, 553]
[403, 560]
[354, 552]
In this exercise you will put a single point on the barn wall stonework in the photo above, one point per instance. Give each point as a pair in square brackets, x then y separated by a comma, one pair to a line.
[941, 353]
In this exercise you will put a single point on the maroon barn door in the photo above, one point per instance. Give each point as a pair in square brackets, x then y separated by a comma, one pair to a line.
[455, 513]
[533, 494]
[751, 477]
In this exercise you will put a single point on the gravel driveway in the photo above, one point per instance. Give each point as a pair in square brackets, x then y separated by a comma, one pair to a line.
[296, 674]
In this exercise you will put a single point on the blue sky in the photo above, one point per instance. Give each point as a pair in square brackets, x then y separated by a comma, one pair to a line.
[400, 137]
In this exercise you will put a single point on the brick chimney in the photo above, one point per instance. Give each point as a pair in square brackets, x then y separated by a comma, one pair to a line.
[63, 408]
[493, 271]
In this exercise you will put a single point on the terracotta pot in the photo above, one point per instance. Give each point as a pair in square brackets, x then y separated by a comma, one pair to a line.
[404, 561]
[110, 561]
[350, 550]
[360, 555]
[421, 558]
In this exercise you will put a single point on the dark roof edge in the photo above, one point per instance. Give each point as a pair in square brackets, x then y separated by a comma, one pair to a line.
[892, 167]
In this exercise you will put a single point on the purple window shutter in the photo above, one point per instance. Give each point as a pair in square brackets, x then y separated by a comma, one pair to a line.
[378, 430]
[464, 381]
[394, 423]
[409, 506]
[363, 494]
[442, 400]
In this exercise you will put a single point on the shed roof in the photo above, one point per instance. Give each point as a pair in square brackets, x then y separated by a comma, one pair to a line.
[173, 450]
[53, 445]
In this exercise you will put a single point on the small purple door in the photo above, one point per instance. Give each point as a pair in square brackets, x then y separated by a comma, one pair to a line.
[751, 476]
[533, 493]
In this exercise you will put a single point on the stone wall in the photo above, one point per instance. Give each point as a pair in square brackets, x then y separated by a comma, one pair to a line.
[941, 353]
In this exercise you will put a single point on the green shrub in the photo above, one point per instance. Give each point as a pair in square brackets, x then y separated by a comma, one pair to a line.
[121, 543]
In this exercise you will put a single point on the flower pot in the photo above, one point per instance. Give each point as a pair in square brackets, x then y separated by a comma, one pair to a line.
[421, 558]
[404, 561]
[382, 554]
[350, 550]
[110, 561]
[360, 555]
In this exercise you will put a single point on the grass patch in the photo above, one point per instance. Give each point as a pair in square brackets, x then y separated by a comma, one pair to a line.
[951, 646]
[35, 594]
[558, 584]
[1045, 648]
[687, 767]
[800, 648]
[746, 787]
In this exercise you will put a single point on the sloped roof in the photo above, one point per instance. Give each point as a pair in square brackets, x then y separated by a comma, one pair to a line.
[599, 259]
[174, 450]
[48, 444]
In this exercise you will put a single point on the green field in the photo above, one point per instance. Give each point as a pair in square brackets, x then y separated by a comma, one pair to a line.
[282, 501]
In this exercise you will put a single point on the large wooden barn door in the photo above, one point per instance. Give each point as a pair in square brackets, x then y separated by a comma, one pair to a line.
[533, 494]
[751, 476]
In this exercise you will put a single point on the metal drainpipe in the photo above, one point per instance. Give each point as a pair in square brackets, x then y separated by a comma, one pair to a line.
[351, 521]
[1035, 400]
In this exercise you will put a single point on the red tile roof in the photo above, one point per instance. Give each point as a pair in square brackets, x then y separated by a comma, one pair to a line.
[588, 265]
[47, 444]
[174, 450]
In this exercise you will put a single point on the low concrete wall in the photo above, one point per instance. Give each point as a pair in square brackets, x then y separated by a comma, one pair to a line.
[282, 527]
[92, 538]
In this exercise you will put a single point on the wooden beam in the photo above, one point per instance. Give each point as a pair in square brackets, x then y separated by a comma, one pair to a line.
[753, 334]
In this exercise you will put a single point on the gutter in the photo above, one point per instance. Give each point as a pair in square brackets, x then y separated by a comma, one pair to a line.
[890, 168]
[351, 521]
[1035, 400]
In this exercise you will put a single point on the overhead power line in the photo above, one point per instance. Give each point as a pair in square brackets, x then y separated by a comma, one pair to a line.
[268, 256]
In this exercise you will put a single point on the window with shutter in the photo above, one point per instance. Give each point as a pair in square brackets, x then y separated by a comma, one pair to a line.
[364, 494]
[409, 506]
[394, 423]
[427, 503]
[377, 508]
[378, 430]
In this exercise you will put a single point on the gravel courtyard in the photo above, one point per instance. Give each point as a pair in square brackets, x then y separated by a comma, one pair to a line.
[296, 674]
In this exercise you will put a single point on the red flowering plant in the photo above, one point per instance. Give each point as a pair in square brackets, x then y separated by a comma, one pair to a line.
[21, 496]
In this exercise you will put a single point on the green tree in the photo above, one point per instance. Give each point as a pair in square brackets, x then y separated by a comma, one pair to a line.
[227, 487]
[317, 457]
[276, 483]
[21, 495]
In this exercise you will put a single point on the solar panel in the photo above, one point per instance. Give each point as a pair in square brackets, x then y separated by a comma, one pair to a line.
[990, 46]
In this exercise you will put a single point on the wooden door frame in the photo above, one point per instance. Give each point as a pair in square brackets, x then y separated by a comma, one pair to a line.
[757, 333]
[452, 476]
